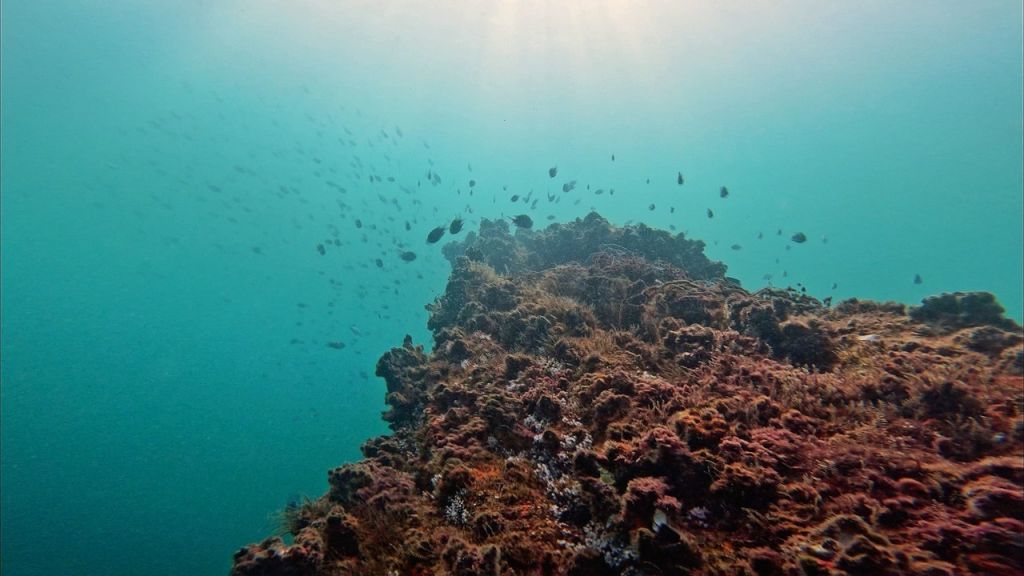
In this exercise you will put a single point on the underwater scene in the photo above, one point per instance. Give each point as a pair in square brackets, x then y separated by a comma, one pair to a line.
[539, 287]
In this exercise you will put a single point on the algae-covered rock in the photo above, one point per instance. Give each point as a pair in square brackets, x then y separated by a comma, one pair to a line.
[602, 400]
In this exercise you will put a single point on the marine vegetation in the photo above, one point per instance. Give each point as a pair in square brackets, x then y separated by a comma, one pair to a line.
[603, 400]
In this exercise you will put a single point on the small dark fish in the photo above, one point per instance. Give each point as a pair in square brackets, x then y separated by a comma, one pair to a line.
[760, 235]
[336, 344]
[257, 250]
[799, 238]
[648, 180]
[435, 235]
[568, 186]
[553, 171]
[917, 279]
[679, 178]
[613, 157]
[710, 213]
[514, 198]
[320, 248]
[672, 210]
[827, 301]
[408, 226]
[723, 192]
[651, 207]
[523, 221]
[472, 183]
[407, 256]
[359, 223]
[379, 263]
[835, 285]
[599, 191]
[455, 227]
[737, 247]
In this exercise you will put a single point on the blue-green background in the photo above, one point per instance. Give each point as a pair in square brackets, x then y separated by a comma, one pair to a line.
[155, 411]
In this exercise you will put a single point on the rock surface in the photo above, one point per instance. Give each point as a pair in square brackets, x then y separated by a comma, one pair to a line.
[604, 400]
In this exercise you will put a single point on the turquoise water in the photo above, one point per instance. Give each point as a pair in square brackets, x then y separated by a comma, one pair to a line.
[168, 169]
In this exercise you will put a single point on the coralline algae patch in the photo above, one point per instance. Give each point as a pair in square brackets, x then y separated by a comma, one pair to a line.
[605, 401]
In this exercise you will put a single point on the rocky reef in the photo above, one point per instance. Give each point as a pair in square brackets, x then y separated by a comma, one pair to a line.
[604, 400]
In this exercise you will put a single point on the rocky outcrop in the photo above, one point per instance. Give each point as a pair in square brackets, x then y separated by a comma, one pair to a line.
[604, 401]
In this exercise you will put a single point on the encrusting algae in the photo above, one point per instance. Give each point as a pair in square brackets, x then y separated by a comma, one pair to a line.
[604, 400]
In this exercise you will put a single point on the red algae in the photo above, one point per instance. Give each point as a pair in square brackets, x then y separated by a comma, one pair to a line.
[604, 400]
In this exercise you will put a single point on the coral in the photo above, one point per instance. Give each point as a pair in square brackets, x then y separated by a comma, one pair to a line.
[703, 428]
[576, 242]
[602, 400]
[806, 345]
[272, 557]
[988, 340]
[991, 497]
[403, 370]
[961, 310]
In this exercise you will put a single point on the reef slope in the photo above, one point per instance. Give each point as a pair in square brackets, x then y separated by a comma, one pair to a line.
[604, 400]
